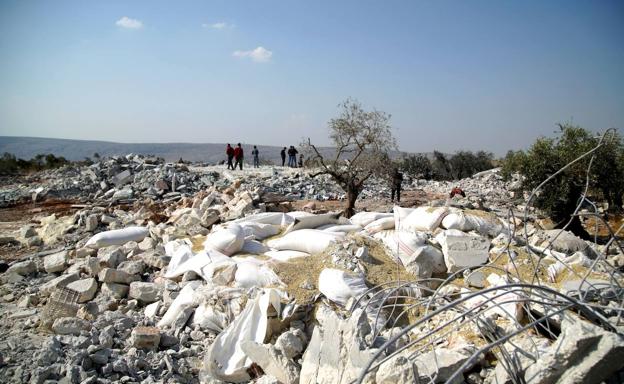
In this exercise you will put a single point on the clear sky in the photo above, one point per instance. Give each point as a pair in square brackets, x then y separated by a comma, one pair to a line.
[454, 75]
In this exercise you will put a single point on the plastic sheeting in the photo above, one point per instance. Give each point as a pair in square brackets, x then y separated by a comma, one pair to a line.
[226, 360]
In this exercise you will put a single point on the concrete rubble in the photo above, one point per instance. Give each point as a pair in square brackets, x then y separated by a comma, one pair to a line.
[173, 273]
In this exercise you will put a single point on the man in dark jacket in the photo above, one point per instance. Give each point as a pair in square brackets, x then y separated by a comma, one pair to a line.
[229, 151]
[238, 156]
[397, 179]
[283, 155]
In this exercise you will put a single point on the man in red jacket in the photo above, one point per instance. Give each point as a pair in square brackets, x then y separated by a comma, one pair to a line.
[238, 156]
[229, 151]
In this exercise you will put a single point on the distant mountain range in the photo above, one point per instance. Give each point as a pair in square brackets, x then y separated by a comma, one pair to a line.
[28, 147]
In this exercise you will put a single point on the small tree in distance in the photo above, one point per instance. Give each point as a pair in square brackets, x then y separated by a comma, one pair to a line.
[362, 140]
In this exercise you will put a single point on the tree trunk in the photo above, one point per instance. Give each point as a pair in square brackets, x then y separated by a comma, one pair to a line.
[352, 195]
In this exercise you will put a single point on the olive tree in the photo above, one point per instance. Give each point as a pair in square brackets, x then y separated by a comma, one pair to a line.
[362, 141]
[547, 156]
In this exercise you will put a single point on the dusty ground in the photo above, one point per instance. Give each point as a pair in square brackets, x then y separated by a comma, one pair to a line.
[14, 218]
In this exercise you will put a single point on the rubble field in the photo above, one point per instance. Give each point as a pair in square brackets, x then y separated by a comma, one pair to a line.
[133, 270]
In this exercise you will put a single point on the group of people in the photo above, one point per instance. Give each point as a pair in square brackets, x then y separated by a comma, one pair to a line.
[292, 157]
[235, 156]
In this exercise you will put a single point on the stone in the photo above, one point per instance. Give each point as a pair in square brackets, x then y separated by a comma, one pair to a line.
[291, 343]
[145, 338]
[154, 260]
[122, 178]
[111, 256]
[461, 250]
[28, 231]
[475, 279]
[117, 291]
[197, 335]
[92, 266]
[151, 310]
[34, 241]
[132, 267]
[147, 244]
[91, 223]
[337, 352]
[110, 275]
[441, 364]
[209, 217]
[145, 292]
[28, 301]
[70, 326]
[101, 356]
[60, 281]
[583, 353]
[86, 287]
[271, 361]
[85, 251]
[56, 262]
[399, 369]
[23, 268]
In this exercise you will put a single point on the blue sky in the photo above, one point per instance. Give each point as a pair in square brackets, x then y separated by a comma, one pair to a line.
[454, 75]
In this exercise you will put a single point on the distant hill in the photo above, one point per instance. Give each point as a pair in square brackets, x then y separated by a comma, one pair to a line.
[28, 147]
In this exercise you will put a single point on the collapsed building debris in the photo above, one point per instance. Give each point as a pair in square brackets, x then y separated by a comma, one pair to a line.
[171, 273]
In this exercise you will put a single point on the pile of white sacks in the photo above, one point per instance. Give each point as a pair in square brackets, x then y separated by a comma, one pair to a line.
[238, 258]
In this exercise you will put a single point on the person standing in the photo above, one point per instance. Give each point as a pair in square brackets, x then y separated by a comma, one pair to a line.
[229, 151]
[255, 153]
[301, 160]
[397, 180]
[283, 155]
[238, 156]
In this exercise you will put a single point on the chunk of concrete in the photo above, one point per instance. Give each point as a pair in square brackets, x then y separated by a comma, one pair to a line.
[117, 291]
[56, 262]
[23, 268]
[110, 275]
[145, 292]
[91, 223]
[85, 287]
[111, 256]
[145, 338]
[60, 281]
[462, 250]
[70, 326]
[583, 353]
[337, 352]
[272, 361]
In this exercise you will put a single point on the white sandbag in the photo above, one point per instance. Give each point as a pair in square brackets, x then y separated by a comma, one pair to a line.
[225, 359]
[273, 218]
[312, 221]
[253, 273]
[423, 219]
[364, 218]
[179, 254]
[227, 240]
[380, 225]
[305, 240]
[254, 247]
[401, 244]
[471, 220]
[259, 231]
[285, 256]
[181, 302]
[344, 228]
[339, 286]
[208, 318]
[117, 237]
[203, 264]
[399, 214]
